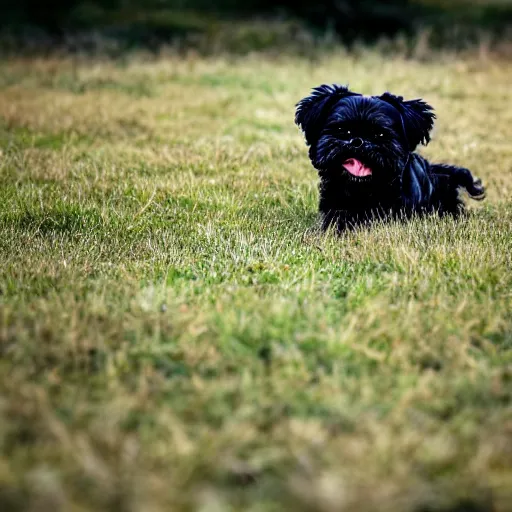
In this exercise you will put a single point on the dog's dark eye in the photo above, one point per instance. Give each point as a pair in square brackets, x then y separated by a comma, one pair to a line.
[380, 135]
[343, 132]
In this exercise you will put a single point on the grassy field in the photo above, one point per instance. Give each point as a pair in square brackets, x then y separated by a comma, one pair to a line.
[177, 335]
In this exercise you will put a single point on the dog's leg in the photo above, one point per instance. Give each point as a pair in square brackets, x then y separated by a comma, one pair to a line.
[337, 219]
[460, 177]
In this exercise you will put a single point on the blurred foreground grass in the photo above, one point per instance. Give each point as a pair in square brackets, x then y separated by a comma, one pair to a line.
[176, 335]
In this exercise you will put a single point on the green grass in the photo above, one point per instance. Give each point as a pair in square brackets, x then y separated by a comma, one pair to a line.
[175, 332]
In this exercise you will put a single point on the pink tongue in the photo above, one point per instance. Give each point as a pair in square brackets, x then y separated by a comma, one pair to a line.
[356, 168]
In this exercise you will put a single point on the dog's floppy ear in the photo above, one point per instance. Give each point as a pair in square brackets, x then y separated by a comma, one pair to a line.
[312, 110]
[417, 118]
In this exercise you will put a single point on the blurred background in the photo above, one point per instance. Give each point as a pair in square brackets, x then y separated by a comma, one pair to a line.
[115, 26]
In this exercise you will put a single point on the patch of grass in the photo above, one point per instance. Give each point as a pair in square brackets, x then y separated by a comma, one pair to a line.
[175, 332]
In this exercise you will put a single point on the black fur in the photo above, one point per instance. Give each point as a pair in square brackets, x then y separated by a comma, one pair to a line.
[381, 133]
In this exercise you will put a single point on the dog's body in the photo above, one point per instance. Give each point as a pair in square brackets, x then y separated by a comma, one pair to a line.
[363, 148]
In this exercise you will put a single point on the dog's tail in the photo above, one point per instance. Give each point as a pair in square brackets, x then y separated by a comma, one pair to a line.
[476, 191]
[461, 177]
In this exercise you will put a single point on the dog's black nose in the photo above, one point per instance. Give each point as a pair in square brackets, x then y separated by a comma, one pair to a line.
[357, 142]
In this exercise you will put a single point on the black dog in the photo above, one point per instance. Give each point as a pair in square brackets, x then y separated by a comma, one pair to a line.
[363, 148]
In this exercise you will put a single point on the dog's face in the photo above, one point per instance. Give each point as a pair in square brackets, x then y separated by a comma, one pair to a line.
[362, 139]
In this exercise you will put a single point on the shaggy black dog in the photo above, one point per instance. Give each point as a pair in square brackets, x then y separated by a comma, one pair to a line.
[363, 148]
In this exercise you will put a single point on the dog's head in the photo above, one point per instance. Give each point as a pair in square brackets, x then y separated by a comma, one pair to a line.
[362, 138]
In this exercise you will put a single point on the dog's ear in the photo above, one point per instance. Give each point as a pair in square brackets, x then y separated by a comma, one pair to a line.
[417, 118]
[312, 110]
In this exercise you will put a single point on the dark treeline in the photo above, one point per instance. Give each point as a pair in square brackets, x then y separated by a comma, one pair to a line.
[344, 15]
[349, 19]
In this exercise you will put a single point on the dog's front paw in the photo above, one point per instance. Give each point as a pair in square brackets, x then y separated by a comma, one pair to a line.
[477, 190]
